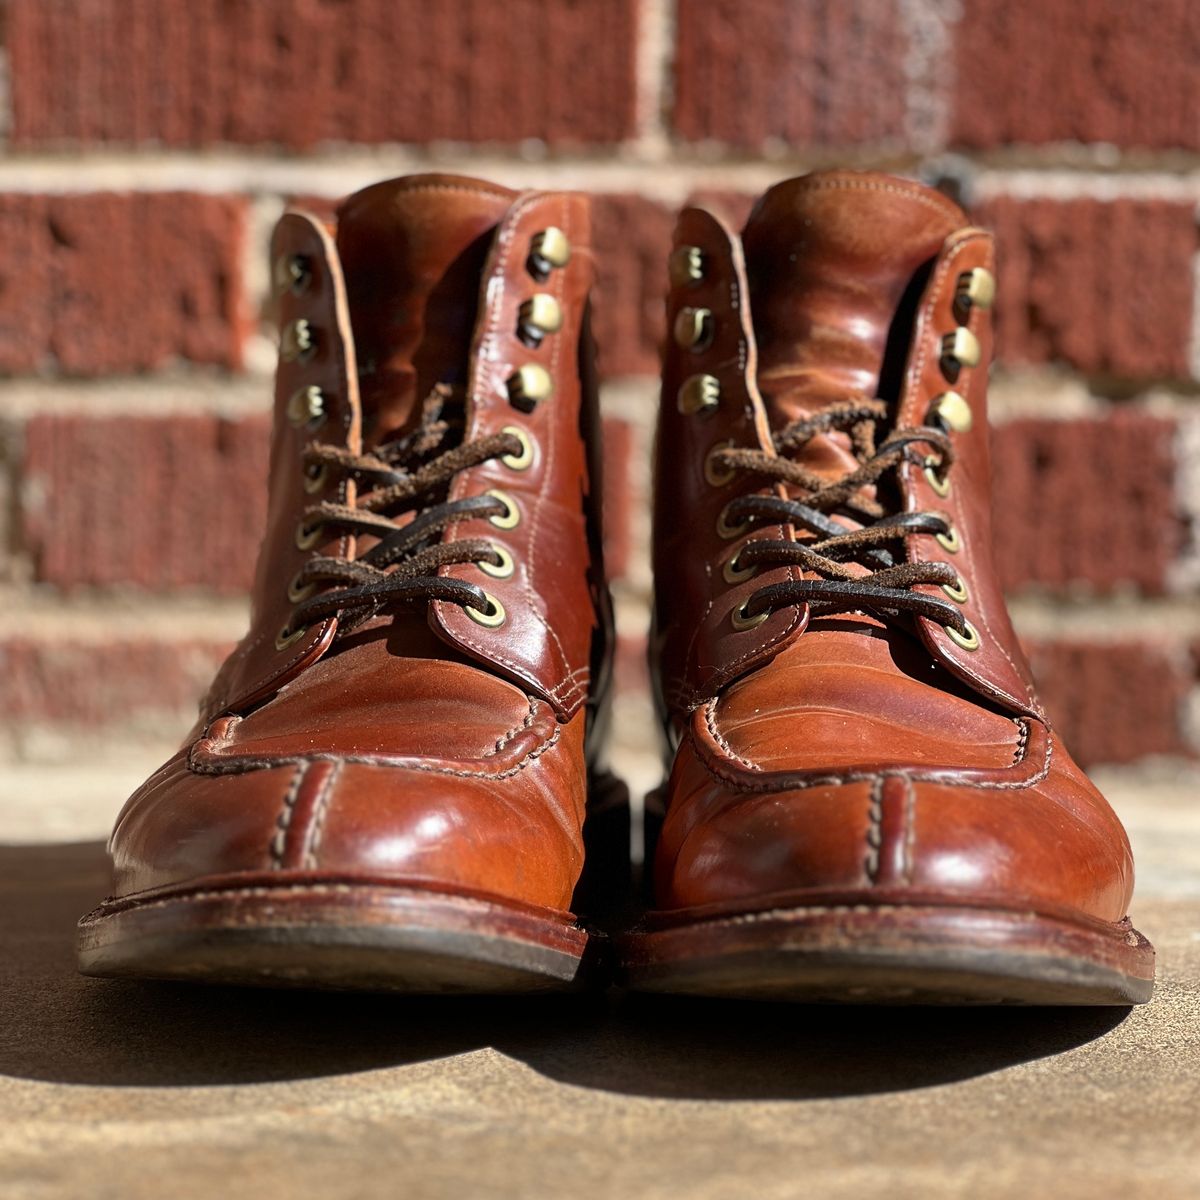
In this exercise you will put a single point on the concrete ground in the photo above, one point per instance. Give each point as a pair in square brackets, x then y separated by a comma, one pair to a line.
[134, 1091]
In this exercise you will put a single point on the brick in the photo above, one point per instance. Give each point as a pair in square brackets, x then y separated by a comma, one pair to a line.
[180, 501]
[107, 282]
[1115, 701]
[103, 683]
[156, 502]
[806, 72]
[1038, 71]
[302, 72]
[1087, 502]
[632, 238]
[1105, 286]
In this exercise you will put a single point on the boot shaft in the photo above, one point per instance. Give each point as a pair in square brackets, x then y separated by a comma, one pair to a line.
[439, 285]
[844, 286]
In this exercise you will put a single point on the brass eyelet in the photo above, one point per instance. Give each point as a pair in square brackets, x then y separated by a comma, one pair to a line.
[307, 536]
[686, 266]
[297, 591]
[512, 518]
[699, 394]
[501, 570]
[725, 529]
[315, 480]
[492, 619]
[959, 349]
[518, 462]
[940, 486]
[975, 288]
[293, 272]
[549, 249]
[528, 386]
[539, 315]
[952, 411]
[740, 621]
[287, 637]
[298, 341]
[715, 476]
[694, 329]
[969, 641]
[957, 591]
[950, 542]
[307, 406]
[732, 573]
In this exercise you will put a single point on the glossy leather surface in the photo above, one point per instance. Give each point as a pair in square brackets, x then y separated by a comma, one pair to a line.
[856, 757]
[421, 747]
[546, 650]
[695, 649]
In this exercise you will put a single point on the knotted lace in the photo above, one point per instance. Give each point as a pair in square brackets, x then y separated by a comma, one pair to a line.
[410, 475]
[837, 556]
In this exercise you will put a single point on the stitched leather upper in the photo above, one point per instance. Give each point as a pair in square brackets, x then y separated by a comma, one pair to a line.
[420, 746]
[860, 755]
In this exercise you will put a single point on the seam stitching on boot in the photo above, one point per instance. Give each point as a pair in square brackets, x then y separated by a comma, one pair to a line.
[284, 820]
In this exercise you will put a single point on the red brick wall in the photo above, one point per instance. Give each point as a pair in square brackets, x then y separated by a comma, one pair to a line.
[150, 145]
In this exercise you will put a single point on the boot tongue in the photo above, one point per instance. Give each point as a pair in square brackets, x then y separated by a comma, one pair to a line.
[413, 252]
[830, 258]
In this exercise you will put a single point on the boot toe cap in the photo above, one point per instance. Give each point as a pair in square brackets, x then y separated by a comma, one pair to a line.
[1051, 844]
[484, 833]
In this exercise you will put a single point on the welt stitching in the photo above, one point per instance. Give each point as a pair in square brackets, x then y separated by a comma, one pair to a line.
[310, 889]
[512, 733]
[240, 766]
[874, 828]
[284, 820]
[710, 719]
[835, 780]
[852, 909]
[320, 809]
[910, 831]
[1022, 740]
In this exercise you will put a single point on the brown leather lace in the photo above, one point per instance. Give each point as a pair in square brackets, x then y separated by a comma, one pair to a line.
[835, 554]
[409, 475]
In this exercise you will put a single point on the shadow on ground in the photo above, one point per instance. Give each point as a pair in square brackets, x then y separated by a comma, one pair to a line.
[57, 1026]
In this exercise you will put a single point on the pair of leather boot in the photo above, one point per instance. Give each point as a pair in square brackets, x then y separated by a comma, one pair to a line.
[395, 780]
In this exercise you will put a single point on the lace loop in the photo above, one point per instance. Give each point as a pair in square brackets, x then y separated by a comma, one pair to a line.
[411, 474]
[850, 568]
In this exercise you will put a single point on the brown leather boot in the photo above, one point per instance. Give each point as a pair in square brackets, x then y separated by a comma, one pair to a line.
[388, 783]
[867, 801]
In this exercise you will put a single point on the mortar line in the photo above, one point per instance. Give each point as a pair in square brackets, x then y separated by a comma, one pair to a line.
[655, 54]
[669, 179]
[929, 70]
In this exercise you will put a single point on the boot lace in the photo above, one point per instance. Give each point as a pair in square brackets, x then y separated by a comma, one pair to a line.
[855, 569]
[410, 475]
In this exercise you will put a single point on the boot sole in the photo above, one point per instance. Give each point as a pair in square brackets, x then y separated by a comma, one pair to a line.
[861, 954]
[335, 936]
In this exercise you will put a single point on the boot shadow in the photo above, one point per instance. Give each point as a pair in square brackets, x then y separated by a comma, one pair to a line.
[58, 1026]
